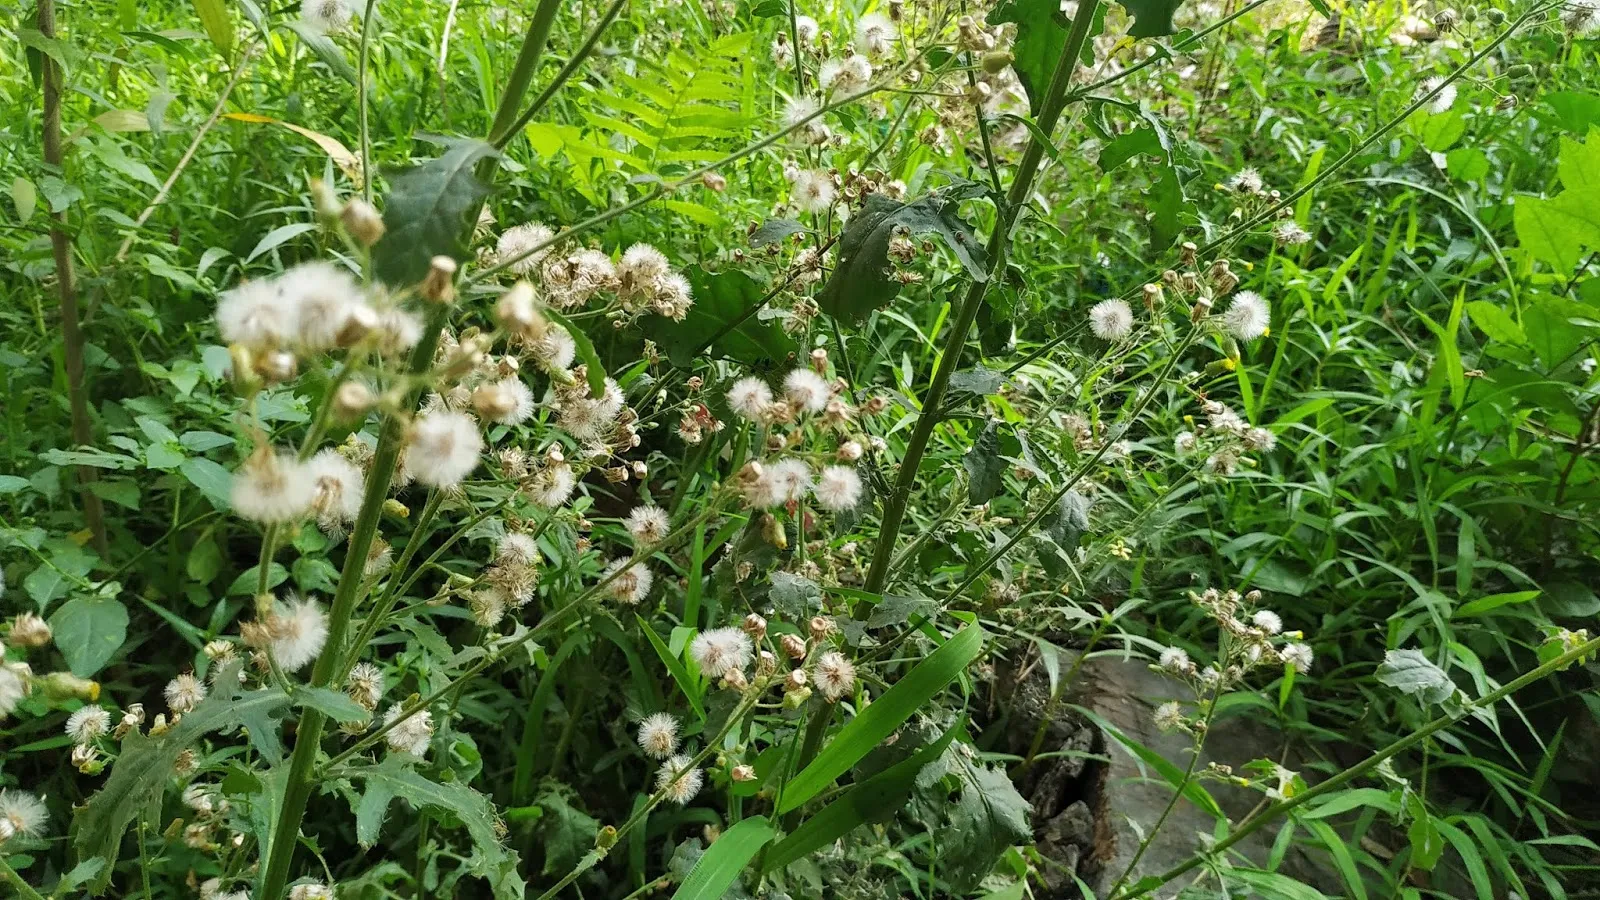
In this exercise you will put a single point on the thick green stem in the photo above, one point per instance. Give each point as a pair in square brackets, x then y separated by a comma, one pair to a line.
[1338, 781]
[9, 875]
[544, 16]
[1055, 100]
[275, 874]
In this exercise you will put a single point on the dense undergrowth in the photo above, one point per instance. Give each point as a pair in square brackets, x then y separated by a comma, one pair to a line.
[611, 453]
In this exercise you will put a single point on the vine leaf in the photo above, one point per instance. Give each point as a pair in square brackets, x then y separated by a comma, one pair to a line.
[396, 777]
[720, 299]
[863, 281]
[429, 211]
[146, 763]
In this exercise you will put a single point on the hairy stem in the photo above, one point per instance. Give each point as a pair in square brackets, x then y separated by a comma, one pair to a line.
[1055, 100]
[94, 514]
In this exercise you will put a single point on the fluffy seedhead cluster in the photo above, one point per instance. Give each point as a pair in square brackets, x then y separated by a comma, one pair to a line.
[1249, 637]
[641, 281]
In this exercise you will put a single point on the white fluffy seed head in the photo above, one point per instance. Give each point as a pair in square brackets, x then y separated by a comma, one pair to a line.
[720, 651]
[658, 735]
[813, 191]
[12, 689]
[507, 401]
[807, 390]
[273, 488]
[875, 34]
[834, 675]
[647, 524]
[412, 735]
[517, 548]
[678, 777]
[443, 448]
[1111, 320]
[838, 488]
[256, 315]
[516, 246]
[299, 631]
[325, 15]
[551, 486]
[364, 684]
[338, 484]
[1248, 316]
[1267, 621]
[785, 481]
[1445, 99]
[21, 814]
[1176, 661]
[749, 398]
[184, 693]
[87, 723]
[325, 298]
[630, 587]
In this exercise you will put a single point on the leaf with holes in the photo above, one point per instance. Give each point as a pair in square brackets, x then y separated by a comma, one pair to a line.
[864, 278]
[430, 211]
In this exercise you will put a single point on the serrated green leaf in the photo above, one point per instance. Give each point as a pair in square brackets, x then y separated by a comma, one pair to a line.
[430, 211]
[875, 723]
[333, 704]
[1041, 35]
[397, 777]
[1495, 322]
[145, 765]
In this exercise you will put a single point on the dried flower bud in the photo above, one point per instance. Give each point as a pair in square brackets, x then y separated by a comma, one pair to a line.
[439, 285]
[755, 626]
[819, 360]
[794, 646]
[517, 312]
[1188, 254]
[362, 222]
[795, 680]
[821, 627]
[325, 200]
[67, 686]
[640, 470]
[849, 451]
[359, 322]
[352, 401]
[714, 182]
[996, 61]
[28, 630]
[276, 367]
[735, 680]
[766, 664]
[743, 773]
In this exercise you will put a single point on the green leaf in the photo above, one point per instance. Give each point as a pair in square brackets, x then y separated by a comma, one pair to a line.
[430, 211]
[396, 777]
[795, 598]
[24, 198]
[567, 831]
[144, 767]
[863, 280]
[278, 236]
[250, 579]
[214, 18]
[335, 705]
[212, 479]
[1151, 18]
[88, 631]
[982, 814]
[1557, 327]
[1495, 322]
[1557, 229]
[1493, 601]
[720, 300]
[595, 372]
[1165, 198]
[725, 859]
[323, 48]
[1041, 35]
[986, 468]
[675, 667]
[875, 723]
[874, 800]
[1410, 672]
[1426, 843]
[774, 230]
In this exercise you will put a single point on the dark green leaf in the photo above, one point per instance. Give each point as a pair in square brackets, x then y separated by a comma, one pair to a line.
[1041, 36]
[775, 230]
[863, 280]
[1409, 672]
[986, 468]
[980, 811]
[430, 211]
[1151, 18]
[720, 300]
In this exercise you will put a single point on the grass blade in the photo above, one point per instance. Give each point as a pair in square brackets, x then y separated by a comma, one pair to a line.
[724, 860]
[887, 713]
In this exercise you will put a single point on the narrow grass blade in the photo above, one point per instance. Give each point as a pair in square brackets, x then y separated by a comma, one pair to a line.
[724, 860]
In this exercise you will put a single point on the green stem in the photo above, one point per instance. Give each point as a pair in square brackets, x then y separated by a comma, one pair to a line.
[1372, 762]
[815, 729]
[363, 111]
[10, 876]
[1172, 802]
[1055, 698]
[275, 874]
[562, 76]
[1054, 102]
[527, 64]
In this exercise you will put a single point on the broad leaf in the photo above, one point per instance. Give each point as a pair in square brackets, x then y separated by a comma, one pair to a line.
[1409, 672]
[1041, 36]
[430, 211]
[725, 319]
[981, 812]
[864, 278]
[88, 631]
[986, 468]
